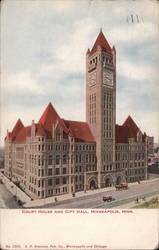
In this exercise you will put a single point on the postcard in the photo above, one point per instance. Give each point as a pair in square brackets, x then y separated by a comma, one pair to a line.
[79, 149]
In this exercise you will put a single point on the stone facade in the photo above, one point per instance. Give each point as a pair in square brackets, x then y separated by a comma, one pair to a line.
[56, 156]
[150, 144]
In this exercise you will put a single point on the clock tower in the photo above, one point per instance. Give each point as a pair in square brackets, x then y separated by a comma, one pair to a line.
[101, 105]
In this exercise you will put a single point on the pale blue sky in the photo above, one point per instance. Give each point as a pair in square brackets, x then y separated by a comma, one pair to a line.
[43, 58]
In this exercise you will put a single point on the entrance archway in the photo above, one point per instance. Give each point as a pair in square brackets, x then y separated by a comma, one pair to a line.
[119, 180]
[92, 184]
[108, 182]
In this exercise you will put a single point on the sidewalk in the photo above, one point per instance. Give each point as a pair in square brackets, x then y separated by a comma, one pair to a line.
[28, 203]
[46, 201]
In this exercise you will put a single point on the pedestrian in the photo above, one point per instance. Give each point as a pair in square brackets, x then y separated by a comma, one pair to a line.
[143, 198]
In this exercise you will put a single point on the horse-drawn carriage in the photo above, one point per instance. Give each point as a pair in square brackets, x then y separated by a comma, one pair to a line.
[107, 198]
[121, 186]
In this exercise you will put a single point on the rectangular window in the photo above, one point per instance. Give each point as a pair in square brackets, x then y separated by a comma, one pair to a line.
[57, 181]
[57, 159]
[42, 172]
[64, 159]
[42, 183]
[49, 182]
[50, 160]
[50, 171]
[64, 181]
[64, 170]
[57, 171]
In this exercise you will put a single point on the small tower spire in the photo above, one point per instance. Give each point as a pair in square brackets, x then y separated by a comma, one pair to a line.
[100, 29]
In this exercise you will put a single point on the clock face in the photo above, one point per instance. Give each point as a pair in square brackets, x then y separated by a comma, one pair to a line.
[92, 78]
[108, 78]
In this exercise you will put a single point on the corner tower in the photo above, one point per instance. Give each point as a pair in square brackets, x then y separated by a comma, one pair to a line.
[101, 105]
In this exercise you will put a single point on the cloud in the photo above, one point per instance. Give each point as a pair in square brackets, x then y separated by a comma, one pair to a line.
[21, 82]
[72, 51]
[137, 70]
[44, 57]
[137, 33]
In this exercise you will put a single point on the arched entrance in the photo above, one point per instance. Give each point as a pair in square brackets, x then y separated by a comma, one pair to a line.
[119, 180]
[107, 182]
[92, 184]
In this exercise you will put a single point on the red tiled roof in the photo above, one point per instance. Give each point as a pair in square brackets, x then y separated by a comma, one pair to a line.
[50, 118]
[80, 130]
[131, 124]
[18, 126]
[129, 129]
[122, 134]
[101, 41]
[40, 130]
[24, 132]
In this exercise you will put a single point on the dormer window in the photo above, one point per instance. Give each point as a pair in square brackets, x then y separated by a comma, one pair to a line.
[57, 134]
[139, 136]
[57, 137]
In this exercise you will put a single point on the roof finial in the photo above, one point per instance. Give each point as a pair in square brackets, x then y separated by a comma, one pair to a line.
[100, 29]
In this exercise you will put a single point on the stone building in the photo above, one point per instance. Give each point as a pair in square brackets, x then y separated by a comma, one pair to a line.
[56, 156]
[150, 144]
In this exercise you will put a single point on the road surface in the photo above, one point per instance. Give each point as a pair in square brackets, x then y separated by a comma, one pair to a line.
[95, 200]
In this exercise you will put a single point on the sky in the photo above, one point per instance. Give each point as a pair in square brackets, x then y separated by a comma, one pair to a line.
[43, 48]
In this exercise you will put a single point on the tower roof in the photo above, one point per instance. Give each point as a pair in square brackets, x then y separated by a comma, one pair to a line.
[101, 41]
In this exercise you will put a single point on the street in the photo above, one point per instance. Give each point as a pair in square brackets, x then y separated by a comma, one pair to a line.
[89, 201]
[95, 200]
[6, 198]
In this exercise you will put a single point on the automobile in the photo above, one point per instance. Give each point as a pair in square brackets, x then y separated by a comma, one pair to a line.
[107, 198]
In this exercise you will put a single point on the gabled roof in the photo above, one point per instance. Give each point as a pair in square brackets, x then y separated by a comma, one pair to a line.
[129, 129]
[129, 122]
[122, 134]
[50, 117]
[80, 130]
[18, 126]
[101, 41]
[40, 130]
[24, 132]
